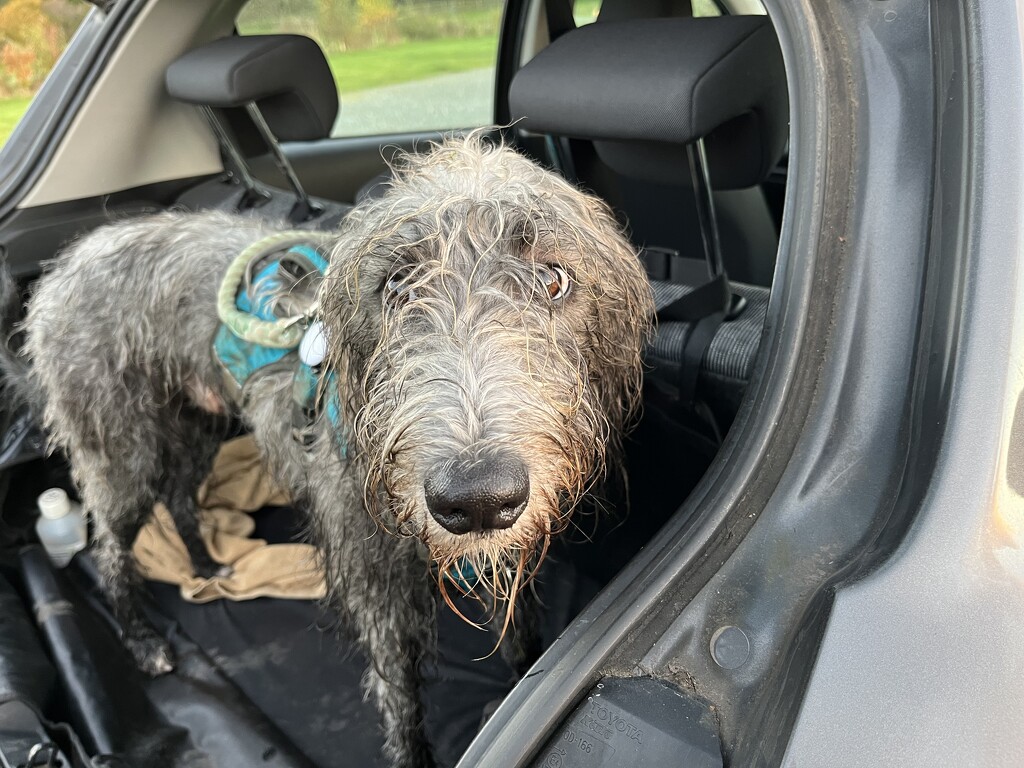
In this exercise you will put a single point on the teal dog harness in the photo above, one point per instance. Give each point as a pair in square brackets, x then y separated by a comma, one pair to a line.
[254, 336]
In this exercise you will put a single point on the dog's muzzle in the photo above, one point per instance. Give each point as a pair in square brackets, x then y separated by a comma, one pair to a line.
[477, 495]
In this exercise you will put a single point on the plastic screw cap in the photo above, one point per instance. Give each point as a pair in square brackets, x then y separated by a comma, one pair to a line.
[730, 647]
[54, 503]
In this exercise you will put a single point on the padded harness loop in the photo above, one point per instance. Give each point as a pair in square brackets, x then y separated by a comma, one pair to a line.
[285, 333]
[250, 339]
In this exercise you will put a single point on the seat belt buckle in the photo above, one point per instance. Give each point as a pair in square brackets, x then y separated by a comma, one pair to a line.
[658, 262]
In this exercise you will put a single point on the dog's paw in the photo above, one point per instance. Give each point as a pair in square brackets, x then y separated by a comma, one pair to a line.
[152, 655]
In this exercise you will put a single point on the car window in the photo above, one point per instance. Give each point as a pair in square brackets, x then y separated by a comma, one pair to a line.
[401, 67]
[585, 11]
[33, 35]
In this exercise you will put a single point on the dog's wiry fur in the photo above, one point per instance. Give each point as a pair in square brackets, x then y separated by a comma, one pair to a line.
[448, 350]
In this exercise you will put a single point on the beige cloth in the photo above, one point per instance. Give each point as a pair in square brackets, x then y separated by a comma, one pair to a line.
[238, 484]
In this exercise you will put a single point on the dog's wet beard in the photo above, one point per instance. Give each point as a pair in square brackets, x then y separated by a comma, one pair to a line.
[493, 575]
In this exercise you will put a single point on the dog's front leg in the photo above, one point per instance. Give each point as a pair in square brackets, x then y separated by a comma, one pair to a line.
[393, 680]
[389, 605]
[381, 588]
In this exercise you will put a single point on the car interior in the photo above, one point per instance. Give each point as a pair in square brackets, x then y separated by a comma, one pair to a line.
[675, 113]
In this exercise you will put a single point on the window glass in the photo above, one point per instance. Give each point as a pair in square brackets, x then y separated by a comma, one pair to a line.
[33, 35]
[585, 11]
[401, 65]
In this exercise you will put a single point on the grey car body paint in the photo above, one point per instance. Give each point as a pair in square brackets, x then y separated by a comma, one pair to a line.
[922, 662]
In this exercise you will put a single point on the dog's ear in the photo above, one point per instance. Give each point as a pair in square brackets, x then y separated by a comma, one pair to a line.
[624, 314]
[350, 308]
[581, 232]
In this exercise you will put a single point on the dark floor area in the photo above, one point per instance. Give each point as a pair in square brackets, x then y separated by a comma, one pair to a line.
[266, 673]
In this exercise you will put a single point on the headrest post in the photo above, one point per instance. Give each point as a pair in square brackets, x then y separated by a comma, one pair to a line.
[254, 195]
[698, 161]
[697, 158]
[305, 208]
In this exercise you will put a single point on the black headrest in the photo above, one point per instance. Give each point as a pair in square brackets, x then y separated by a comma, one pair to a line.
[643, 88]
[286, 75]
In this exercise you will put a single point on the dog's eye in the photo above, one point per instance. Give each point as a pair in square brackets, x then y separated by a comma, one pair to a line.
[397, 289]
[555, 280]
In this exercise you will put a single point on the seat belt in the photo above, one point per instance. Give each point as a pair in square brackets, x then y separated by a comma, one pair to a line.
[559, 18]
[706, 307]
[558, 14]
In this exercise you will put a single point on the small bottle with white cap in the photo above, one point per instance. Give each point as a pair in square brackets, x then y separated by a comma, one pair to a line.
[61, 526]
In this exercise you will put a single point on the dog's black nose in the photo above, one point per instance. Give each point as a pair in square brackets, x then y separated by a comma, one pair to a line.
[480, 495]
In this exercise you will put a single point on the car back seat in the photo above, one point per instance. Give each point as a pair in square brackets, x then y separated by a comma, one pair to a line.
[646, 92]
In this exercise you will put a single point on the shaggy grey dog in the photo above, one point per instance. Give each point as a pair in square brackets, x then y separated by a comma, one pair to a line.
[485, 322]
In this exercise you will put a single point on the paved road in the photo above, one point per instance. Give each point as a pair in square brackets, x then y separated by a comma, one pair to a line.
[460, 100]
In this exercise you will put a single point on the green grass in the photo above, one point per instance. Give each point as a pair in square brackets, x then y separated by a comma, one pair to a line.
[416, 60]
[11, 111]
[585, 11]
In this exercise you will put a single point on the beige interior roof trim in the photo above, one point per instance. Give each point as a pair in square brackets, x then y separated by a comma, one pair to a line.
[128, 131]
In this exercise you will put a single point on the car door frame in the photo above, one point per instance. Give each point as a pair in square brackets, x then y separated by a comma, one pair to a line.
[838, 444]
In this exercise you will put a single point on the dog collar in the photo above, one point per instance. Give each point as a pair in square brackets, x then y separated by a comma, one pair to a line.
[463, 575]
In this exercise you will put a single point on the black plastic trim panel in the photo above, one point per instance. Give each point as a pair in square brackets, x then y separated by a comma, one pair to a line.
[31, 236]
